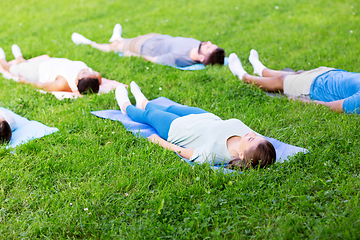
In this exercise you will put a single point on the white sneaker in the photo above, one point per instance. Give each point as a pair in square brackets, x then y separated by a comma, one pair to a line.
[16, 51]
[121, 96]
[117, 31]
[2, 54]
[80, 39]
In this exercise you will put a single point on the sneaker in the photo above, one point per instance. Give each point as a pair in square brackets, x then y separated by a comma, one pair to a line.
[116, 32]
[80, 39]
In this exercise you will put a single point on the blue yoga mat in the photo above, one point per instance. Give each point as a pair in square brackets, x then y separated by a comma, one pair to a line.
[193, 67]
[283, 150]
[27, 130]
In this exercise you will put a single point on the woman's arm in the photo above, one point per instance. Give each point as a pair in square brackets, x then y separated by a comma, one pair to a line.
[184, 152]
[60, 84]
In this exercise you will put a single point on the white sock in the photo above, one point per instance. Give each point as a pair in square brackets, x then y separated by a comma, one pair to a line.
[139, 96]
[116, 32]
[80, 39]
[235, 66]
[16, 51]
[2, 54]
[255, 62]
[121, 95]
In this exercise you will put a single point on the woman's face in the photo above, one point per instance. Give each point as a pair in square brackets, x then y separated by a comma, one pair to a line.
[250, 141]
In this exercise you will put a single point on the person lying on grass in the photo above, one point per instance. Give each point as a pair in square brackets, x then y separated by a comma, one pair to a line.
[53, 74]
[7, 126]
[335, 88]
[162, 49]
[197, 134]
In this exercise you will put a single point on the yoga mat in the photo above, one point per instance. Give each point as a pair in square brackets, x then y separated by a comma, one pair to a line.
[27, 130]
[283, 150]
[105, 87]
[193, 67]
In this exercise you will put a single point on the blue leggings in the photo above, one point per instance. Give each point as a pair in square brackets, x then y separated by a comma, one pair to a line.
[160, 117]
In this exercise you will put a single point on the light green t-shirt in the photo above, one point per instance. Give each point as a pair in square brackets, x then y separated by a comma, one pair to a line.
[207, 134]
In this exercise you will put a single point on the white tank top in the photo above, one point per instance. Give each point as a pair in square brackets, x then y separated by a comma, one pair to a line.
[53, 67]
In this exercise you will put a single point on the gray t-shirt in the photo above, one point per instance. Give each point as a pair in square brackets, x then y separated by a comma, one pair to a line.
[207, 134]
[170, 50]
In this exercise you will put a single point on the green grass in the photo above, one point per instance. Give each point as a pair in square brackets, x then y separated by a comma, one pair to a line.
[95, 180]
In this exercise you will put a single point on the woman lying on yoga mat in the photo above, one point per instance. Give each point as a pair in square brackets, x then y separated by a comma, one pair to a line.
[196, 134]
[53, 74]
[335, 88]
[7, 126]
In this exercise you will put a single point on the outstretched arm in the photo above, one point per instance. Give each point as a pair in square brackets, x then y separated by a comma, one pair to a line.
[60, 84]
[184, 152]
[336, 106]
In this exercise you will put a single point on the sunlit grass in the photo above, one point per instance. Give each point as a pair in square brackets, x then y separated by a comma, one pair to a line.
[93, 179]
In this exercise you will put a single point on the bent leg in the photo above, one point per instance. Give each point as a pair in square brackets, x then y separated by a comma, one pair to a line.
[154, 117]
[270, 84]
[4, 64]
[116, 46]
[20, 59]
[260, 69]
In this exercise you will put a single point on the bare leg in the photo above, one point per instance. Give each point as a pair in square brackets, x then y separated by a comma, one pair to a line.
[274, 73]
[270, 84]
[124, 106]
[4, 64]
[144, 103]
[260, 69]
[20, 59]
[116, 46]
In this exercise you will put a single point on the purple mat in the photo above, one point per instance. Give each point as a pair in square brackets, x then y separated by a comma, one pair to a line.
[283, 150]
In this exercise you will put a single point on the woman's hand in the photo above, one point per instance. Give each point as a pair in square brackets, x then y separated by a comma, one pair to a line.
[184, 152]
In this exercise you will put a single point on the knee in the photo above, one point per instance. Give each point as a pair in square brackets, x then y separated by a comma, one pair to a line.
[279, 82]
[115, 46]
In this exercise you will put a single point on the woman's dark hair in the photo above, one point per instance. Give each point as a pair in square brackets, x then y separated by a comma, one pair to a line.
[88, 85]
[264, 154]
[5, 132]
[216, 57]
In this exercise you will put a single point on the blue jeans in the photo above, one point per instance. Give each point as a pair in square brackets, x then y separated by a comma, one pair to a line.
[160, 117]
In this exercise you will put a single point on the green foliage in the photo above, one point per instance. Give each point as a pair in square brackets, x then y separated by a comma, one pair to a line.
[95, 180]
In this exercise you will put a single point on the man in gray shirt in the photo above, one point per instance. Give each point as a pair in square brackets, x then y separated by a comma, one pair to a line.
[162, 49]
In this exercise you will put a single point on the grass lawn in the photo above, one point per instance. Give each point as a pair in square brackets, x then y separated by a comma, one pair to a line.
[94, 180]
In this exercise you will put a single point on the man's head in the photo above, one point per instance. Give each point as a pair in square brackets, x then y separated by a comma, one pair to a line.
[211, 53]
[5, 131]
[88, 82]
